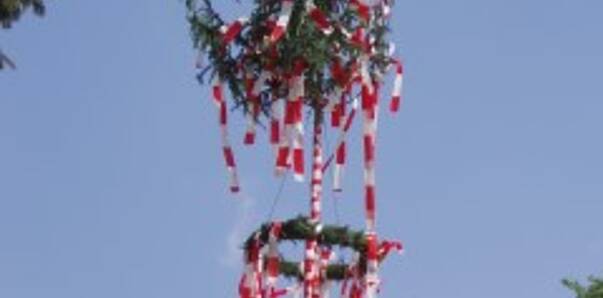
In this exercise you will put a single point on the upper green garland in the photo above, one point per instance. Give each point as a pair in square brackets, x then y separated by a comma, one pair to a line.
[328, 59]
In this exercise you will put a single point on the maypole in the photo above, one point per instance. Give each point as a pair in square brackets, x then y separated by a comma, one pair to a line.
[329, 57]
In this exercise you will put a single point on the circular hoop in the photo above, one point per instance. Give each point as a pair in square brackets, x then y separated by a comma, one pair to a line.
[301, 229]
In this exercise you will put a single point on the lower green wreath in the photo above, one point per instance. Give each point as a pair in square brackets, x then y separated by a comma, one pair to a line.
[335, 272]
[301, 229]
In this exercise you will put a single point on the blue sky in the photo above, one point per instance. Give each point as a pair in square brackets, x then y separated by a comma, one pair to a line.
[112, 182]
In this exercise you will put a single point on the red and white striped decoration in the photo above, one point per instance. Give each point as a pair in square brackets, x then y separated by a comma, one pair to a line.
[250, 285]
[387, 246]
[371, 279]
[283, 153]
[293, 131]
[231, 167]
[319, 18]
[340, 158]
[397, 91]
[230, 32]
[283, 21]
[298, 156]
[362, 8]
[340, 148]
[273, 258]
[298, 135]
[254, 87]
[275, 123]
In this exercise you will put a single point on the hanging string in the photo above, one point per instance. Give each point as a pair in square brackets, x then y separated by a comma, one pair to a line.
[334, 197]
[277, 197]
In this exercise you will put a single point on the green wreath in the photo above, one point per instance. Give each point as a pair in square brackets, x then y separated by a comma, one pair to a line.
[301, 229]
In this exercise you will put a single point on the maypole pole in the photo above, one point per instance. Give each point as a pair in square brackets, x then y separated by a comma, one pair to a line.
[370, 109]
[312, 280]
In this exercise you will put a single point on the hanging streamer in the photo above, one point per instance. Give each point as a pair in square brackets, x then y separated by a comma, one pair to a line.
[231, 167]
[273, 262]
[362, 9]
[340, 153]
[283, 21]
[397, 91]
[319, 18]
[254, 87]
[229, 33]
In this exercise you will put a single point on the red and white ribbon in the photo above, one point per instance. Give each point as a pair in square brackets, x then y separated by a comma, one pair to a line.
[340, 149]
[254, 87]
[218, 98]
[296, 107]
[230, 32]
[298, 157]
[365, 76]
[283, 153]
[336, 108]
[362, 8]
[273, 257]
[387, 246]
[340, 153]
[275, 122]
[250, 285]
[372, 266]
[397, 91]
[358, 38]
[293, 130]
[283, 20]
[318, 16]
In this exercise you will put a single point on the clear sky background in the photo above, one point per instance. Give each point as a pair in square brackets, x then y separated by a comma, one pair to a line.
[112, 182]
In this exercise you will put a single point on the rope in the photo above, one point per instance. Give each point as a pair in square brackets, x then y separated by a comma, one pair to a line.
[277, 197]
[333, 196]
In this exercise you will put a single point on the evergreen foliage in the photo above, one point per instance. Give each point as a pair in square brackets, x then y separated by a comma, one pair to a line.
[303, 43]
[10, 12]
[301, 229]
[593, 290]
